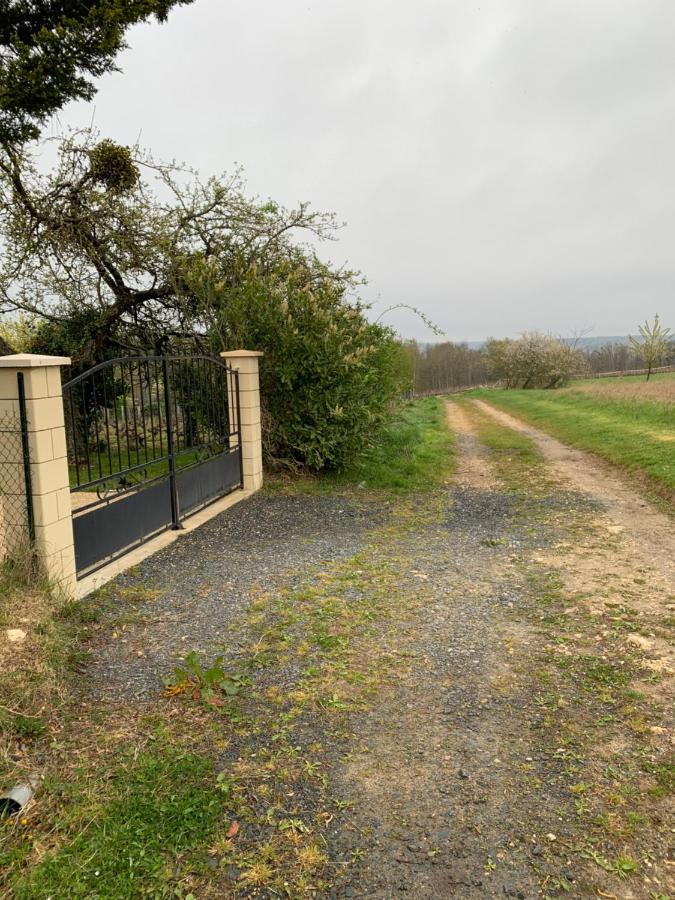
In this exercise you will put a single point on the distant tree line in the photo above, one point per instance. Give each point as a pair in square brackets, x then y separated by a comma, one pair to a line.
[533, 360]
[446, 366]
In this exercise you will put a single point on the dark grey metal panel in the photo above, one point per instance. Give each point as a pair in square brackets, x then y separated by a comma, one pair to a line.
[107, 530]
[208, 480]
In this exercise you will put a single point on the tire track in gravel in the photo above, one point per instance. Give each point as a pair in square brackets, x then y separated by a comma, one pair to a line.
[651, 530]
[448, 768]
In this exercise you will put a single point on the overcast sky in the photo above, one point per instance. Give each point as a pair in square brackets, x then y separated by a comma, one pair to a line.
[502, 164]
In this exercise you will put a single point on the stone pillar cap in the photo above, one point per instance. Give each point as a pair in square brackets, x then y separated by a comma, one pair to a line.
[32, 360]
[241, 353]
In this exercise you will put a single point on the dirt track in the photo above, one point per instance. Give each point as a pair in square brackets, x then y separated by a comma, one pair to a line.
[652, 531]
[537, 607]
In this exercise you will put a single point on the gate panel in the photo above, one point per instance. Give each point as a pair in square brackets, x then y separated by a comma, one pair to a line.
[207, 481]
[105, 531]
[150, 440]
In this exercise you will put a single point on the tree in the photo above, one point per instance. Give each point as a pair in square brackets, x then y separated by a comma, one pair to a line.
[446, 366]
[328, 375]
[534, 361]
[50, 50]
[652, 345]
[101, 265]
[92, 247]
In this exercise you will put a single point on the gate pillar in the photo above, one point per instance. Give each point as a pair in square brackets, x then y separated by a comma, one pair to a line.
[48, 477]
[246, 362]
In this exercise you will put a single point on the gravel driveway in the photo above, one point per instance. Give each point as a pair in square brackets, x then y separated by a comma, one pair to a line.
[510, 746]
[203, 584]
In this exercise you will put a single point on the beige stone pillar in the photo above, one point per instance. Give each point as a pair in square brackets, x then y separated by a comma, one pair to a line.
[48, 457]
[246, 363]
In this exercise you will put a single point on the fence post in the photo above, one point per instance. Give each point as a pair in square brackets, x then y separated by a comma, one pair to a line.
[48, 477]
[246, 362]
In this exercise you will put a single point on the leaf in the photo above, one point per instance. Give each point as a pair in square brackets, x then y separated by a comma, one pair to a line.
[233, 830]
[180, 676]
[229, 687]
[172, 690]
[192, 662]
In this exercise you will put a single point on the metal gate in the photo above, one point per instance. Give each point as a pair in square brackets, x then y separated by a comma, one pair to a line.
[151, 440]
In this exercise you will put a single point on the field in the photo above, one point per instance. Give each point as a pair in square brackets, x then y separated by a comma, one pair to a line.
[627, 421]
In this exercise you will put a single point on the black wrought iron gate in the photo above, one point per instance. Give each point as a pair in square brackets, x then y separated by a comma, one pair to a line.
[151, 440]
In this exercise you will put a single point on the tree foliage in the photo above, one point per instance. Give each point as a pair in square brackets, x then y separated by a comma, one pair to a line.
[103, 242]
[100, 262]
[652, 345]
[328, 374]
[50, 50]
[533, 361]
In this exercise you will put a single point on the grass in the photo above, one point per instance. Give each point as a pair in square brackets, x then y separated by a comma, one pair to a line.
[627, 421]
[414, 452]
[127, 834]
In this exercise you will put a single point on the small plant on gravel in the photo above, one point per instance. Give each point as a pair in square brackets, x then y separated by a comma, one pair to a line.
[625, 866]
[207, 684]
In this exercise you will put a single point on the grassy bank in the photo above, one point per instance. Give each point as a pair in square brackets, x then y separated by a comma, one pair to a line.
[414, 452]
[627, 421]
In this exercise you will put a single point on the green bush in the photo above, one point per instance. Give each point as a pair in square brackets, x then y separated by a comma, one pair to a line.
[328, 375]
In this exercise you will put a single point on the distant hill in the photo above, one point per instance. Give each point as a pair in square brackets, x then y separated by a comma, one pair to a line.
[591, 342]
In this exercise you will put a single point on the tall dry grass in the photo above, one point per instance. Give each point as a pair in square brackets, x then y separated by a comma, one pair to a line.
[659, 389]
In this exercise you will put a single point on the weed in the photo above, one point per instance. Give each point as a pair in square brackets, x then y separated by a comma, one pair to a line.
[207, 684]
[664, 775]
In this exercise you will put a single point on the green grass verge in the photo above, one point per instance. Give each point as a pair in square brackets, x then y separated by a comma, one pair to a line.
[633, 433]
[158, 808]
[414, 452]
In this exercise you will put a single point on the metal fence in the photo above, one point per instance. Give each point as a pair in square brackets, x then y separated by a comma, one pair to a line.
[151, 440]
[17, 527]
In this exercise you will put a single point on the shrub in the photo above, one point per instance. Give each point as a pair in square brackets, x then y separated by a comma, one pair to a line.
[328, 375]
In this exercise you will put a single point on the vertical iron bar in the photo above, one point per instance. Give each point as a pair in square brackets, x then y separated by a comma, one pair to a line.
[86, 429]
[159, 410]
[172, 373]
[126, 417]
[28, 481]
[203, 403]
[98, 437]
[143, 419]
[175, 512]
[211, 406]
[117, 421]
[215, 411]
[152, 415]
[241, 449]
[107, 426]
[221, 400]
[133, 410]
[181, 370]
[231, 407]
[74, 433]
